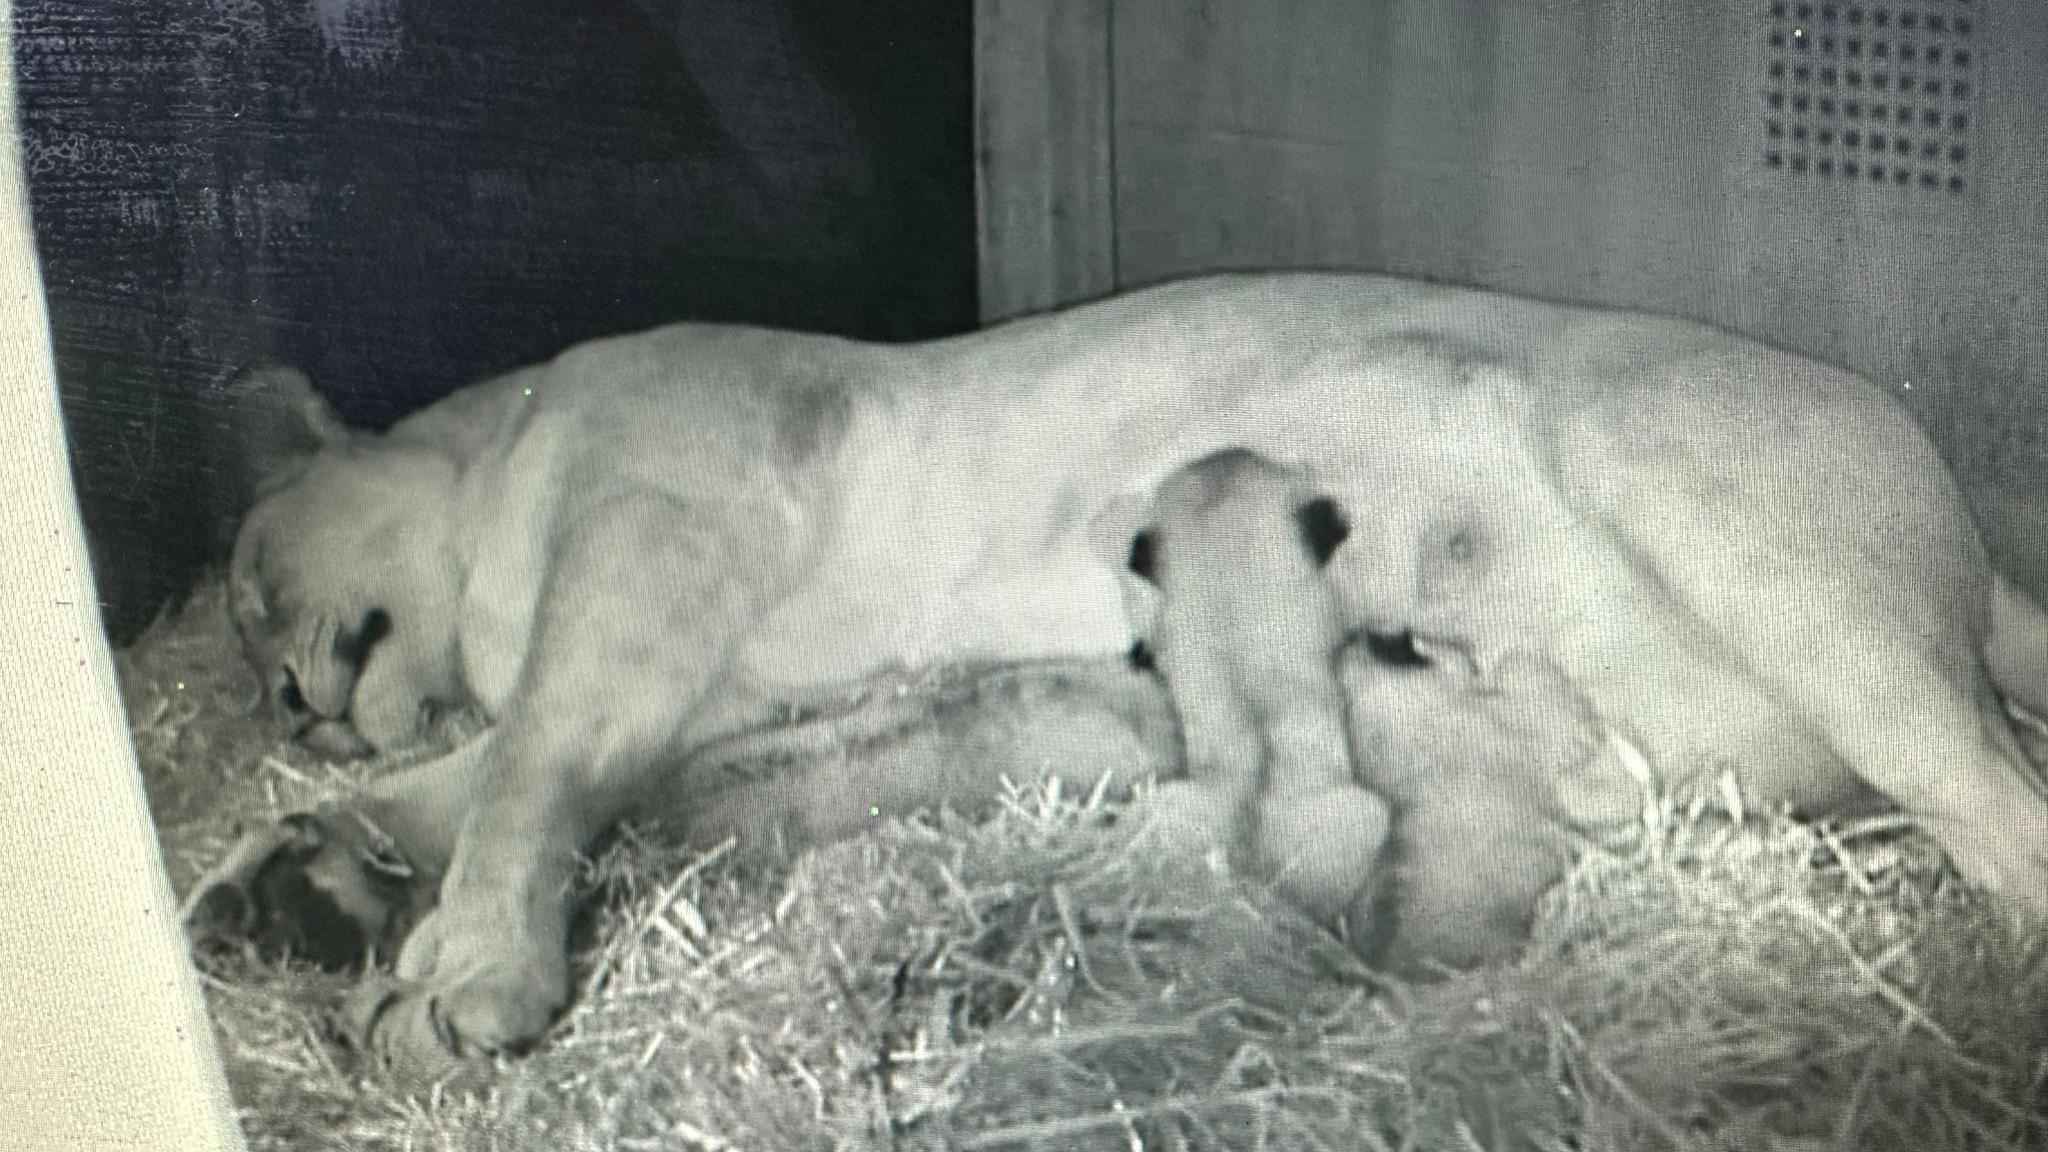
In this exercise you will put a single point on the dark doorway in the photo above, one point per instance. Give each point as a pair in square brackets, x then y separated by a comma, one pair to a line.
[401, 196]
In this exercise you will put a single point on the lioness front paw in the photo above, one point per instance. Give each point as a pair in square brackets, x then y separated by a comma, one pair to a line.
[459, 994]
[318, 886]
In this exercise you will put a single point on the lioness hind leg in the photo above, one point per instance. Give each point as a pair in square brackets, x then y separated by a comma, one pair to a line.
[634, 626]
[1934, 740]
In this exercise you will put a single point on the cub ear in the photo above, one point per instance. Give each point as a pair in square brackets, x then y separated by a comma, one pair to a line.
[281, 423]
[1143, 560]
[1323, 528]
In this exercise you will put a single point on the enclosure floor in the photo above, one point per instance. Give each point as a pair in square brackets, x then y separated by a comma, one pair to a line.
[1044, 978]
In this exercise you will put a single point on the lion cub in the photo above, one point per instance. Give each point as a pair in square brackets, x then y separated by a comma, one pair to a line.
[1245, 630]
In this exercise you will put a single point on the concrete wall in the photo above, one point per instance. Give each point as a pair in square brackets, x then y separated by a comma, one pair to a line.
[400, 196]
[1618, 152]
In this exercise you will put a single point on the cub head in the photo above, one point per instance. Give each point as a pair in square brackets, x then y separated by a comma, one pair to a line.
[343, 582]
[1230, 518]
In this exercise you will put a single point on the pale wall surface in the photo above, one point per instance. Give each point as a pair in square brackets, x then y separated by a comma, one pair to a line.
[104, 1039]
[1613, 152]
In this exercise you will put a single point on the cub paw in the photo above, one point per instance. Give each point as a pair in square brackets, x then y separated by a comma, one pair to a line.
[1532, 699]
[1319, 848]
[320, 887]
[1190, 816]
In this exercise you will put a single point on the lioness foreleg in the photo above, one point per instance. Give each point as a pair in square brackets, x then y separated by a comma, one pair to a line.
[633, 629]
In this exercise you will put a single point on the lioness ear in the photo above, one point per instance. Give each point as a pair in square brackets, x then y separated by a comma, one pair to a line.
[1323, 528]
[282, 422]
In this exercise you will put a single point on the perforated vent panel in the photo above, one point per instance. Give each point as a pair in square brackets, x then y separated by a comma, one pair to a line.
[1883, 94]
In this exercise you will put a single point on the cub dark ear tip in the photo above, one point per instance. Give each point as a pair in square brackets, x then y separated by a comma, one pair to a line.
[1143, 559]
[1323, 528]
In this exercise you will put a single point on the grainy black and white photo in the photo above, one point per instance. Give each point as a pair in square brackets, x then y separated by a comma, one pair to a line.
[1025, 575]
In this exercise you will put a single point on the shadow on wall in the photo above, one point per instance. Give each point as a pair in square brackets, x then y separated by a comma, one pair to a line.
[401, 197]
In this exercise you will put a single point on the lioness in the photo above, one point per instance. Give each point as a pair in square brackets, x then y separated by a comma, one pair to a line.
[1742, 558]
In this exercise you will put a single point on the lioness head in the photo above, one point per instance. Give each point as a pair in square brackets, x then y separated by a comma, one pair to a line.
[343, 583]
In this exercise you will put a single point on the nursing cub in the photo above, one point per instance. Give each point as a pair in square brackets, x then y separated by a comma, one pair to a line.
[1414, 805]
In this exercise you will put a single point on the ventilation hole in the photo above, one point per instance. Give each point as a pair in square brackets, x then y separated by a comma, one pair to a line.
[1823, 116]
[1962, 26]
[1955, 183]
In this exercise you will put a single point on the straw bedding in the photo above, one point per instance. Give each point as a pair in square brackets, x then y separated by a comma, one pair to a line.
[1042, 975]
